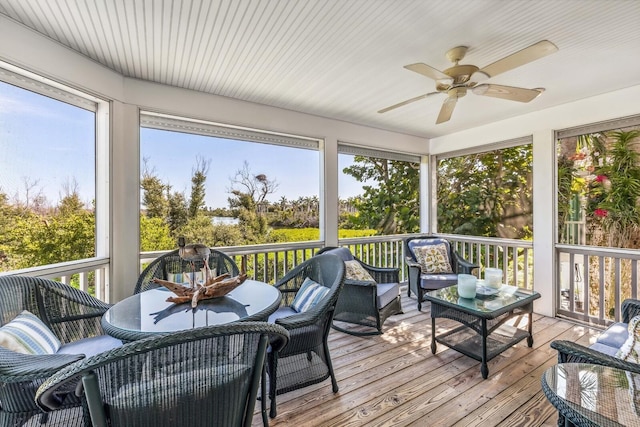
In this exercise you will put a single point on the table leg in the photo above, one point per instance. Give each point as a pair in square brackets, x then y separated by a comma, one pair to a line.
[433, 335]
[263, 396]
[530, 328]
[484, 369]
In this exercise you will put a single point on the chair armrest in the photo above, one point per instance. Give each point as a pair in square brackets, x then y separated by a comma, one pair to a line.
[630, 309]
[18, 367]
[363, 283]
[307, 318]
[571, 352]
[463, 266]
[412, 264]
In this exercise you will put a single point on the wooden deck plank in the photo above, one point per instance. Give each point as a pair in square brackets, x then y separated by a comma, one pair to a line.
[394, 380]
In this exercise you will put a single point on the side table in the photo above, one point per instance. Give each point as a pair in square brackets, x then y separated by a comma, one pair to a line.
[592, 395]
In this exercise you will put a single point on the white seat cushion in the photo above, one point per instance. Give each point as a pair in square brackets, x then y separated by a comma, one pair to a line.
[90, 346]
[387, 292]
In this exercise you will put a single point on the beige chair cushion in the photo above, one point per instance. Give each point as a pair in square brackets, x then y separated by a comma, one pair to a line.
[355, 271]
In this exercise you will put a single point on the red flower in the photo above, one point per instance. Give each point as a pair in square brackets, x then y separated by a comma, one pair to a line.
[601, 178]
[601, 212]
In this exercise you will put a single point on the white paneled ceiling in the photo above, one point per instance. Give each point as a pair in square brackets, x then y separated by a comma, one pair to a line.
[343, 59]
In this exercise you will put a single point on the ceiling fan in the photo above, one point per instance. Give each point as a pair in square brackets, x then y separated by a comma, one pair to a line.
[458, 79]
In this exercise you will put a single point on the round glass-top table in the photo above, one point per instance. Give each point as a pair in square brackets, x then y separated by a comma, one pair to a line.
[593, 395]
[148, 313]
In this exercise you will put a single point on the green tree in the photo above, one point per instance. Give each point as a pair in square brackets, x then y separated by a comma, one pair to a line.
[8, 220]
[198, 192]
[253, 226]
[178, 215]
[614, 195]
[202, 230]
[248, 193]
[153, 193]
[487, 194]
[155, 235]
[391, 206]
[64, 236]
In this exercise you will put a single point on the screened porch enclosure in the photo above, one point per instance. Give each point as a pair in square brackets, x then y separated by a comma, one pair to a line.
[549, 268]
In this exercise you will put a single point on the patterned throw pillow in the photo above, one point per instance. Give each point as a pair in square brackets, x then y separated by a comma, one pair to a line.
[433, 258]
[355, 271]
[28, 335]
[630, 350]
[310, 294]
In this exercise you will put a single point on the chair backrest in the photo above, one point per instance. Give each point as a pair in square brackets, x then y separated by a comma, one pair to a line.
[327, 269]
[416, 241]
[161, 267]
[69, 312]
[344, 253]
[202, 377]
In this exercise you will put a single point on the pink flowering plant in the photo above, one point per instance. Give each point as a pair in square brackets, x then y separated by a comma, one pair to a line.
[613, 194]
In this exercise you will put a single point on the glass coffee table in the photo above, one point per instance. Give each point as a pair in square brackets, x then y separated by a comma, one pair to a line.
[593, 395]
[483, 333]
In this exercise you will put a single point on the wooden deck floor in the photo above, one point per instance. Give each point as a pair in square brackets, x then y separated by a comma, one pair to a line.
[394, 380]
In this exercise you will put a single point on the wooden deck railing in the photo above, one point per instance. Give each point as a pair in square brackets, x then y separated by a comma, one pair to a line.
[592, 282]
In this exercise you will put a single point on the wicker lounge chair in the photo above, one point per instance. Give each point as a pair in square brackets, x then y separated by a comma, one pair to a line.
[421, 281]
[306, 359]
[169, 263]
[207, 376]
[74, 318]
[364, 302]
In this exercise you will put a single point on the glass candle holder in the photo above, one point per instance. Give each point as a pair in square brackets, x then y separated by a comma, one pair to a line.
[493, 277]
[467, 285]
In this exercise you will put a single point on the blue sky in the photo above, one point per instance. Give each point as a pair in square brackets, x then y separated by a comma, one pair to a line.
[48, 144]
[43, 140]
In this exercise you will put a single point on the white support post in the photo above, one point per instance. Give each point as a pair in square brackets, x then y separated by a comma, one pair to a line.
[544, 221]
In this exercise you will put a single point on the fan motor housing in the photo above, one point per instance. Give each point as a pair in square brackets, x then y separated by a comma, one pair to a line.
[461, 73]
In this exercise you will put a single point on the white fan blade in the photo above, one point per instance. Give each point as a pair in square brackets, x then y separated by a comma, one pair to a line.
[524, 56]
[507, 92]
[408, 101]
[428, 71]
[447, 109]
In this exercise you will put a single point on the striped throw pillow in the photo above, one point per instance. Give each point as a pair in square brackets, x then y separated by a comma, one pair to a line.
[309, 295]
[28, 335]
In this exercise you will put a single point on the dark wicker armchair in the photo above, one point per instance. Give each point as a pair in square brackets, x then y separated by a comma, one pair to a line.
[207, 376]
[306, 359]
[366, 303]
[421, 281]
[161, 267]
[73, 316]
[603, 351]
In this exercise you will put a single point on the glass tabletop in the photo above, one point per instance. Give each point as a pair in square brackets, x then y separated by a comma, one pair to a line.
[149, 312]
[605, 396]
[487, 300]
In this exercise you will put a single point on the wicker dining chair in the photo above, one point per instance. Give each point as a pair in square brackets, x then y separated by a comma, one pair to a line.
[207, 376]
[366, 303]
[306, 359]
[73, 316]
[171, 263]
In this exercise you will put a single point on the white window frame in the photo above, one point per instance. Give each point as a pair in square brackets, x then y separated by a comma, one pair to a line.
[33, 82]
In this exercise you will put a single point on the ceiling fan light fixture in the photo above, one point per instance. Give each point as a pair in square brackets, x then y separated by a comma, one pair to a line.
[481, 89]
